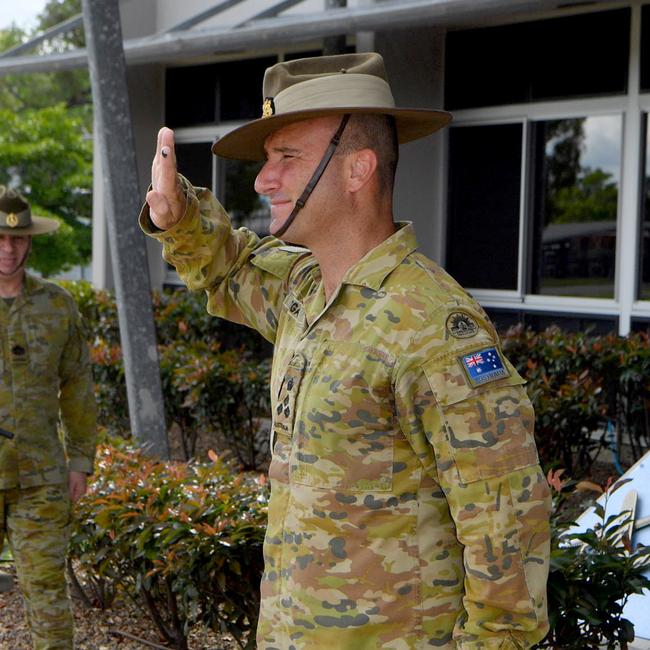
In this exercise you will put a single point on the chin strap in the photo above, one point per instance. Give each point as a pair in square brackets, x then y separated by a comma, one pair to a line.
[300, 203]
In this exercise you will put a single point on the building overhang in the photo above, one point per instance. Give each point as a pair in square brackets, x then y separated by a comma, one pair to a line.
[278, 30]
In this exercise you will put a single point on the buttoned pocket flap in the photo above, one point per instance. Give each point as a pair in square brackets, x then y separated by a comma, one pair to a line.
[487, 427]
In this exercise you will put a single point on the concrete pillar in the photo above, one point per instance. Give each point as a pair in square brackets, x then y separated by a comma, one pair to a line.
[415, 64]
[116, 143]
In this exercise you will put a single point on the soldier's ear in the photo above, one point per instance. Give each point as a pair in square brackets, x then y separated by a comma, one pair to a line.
[362, 166]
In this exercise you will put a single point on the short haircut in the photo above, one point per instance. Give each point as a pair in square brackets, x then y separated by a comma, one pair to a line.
[376, 132]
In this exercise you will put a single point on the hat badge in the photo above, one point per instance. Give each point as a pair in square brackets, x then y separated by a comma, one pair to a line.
[12, 220]
[268, 107]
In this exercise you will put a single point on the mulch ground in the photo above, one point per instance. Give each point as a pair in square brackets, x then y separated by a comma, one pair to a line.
[96, 629]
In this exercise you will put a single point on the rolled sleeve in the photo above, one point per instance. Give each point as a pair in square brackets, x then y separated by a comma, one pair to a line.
[245, 276]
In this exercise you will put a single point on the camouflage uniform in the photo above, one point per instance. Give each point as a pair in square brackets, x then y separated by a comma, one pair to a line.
[408, 508]
[45, 373]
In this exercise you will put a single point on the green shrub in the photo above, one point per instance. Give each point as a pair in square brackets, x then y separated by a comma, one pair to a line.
[214, 373]
[578, 383]
[184, 540]
[181, 316]
[218, 393]
[592, 575]
[215, 381]
[98, 309]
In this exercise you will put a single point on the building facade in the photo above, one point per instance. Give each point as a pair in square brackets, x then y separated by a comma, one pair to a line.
[537, 198]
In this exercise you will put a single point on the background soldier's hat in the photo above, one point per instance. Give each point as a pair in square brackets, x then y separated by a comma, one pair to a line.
[326, 85]
[16, 216]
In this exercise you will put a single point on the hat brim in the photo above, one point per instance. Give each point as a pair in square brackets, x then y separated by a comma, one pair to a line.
[39, 226]
[247, 142]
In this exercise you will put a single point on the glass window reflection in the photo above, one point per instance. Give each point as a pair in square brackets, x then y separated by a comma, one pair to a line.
[243, 204]
[644, 284]
[484, 205]
[576, 181]
[194, 160]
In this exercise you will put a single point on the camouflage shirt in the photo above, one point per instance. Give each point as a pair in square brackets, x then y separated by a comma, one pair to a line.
[408, 509]
[46, 374]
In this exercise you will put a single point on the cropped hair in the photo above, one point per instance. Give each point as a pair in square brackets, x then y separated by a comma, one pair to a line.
[376, 132]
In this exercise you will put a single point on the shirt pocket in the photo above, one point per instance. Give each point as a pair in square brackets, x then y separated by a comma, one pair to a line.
[345, 426]
[284, 410]
[486, 431]
[46, 336]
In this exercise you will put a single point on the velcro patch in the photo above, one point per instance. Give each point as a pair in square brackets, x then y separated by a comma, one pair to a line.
[483, 366]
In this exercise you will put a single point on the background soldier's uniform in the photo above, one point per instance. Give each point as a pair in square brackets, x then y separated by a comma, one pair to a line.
[408, 509]
[45, 373]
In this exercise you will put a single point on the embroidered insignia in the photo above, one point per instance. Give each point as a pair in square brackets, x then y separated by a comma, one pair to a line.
[295, 309]
[268, 107]
[12, 220]
[483, 366]
[461, 325]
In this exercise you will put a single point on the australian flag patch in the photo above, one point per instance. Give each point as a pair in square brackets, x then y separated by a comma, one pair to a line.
[483, 366]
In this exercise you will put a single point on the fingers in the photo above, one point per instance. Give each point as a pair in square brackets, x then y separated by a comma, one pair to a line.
[158, 208]
[166, 201]
[167, 150]
[163, 171]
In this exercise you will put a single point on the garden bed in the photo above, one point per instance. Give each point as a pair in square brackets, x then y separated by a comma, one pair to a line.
[98, 629]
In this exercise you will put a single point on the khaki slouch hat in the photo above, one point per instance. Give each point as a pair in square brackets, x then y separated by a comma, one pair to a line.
[16, 218]
[321, 86]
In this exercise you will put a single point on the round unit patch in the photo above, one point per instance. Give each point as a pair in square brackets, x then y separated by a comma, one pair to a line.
[461, 325]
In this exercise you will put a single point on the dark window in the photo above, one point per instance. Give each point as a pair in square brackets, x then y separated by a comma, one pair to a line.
[243, 204]
[575, 196]
[503, 319]
[548, 59]
[645, 48]
[481, 69]
[644, 284]
[194, 161]
[292, 56]
[218, 92]
[640, 325]
[306, 54]
[191, 96]
[240, 88]
[483, 205]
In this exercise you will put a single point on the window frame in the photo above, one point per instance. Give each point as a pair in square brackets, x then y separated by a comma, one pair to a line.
[525, 114]
[633, 106]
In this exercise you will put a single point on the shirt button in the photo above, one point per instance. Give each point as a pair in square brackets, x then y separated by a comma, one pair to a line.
[18, 350]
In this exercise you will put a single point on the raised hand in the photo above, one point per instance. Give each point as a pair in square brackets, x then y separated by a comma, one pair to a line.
[166, 200]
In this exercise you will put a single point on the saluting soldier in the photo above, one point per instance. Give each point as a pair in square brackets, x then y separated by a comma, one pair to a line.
[45, 380]
[408, 509]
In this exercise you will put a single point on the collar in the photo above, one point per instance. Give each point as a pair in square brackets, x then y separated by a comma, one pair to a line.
[376, 265]
[31, 284]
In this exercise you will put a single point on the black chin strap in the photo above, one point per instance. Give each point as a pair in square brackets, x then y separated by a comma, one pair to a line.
[300, 203]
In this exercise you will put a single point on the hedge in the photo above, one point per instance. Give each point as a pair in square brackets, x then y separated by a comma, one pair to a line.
[592, 573]
[214, 374]
[579, 383]
[184, 540]
[215, 380]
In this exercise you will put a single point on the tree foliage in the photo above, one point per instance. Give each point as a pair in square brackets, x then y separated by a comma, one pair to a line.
[46, 142]
[575, 193]
[47, 154]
